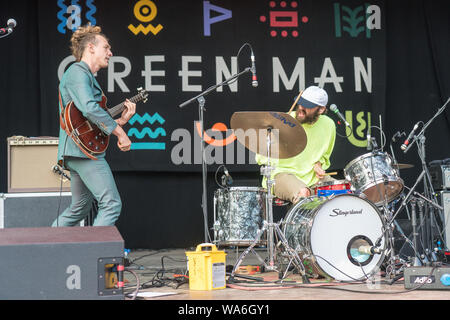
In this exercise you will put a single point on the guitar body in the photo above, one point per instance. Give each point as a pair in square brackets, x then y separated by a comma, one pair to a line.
[86, 134]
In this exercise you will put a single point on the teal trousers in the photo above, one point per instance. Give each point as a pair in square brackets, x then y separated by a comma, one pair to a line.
[90, 179]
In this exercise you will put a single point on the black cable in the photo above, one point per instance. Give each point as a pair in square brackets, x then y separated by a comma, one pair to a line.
[160, 280]
[61, 183]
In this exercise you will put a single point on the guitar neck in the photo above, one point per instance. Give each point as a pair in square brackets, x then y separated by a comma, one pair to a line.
[114, 111]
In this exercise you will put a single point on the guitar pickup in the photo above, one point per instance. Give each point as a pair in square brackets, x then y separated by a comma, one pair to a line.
[84, 128]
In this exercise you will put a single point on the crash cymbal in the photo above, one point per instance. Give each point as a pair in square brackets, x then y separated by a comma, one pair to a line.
[403, 166]
[287, 134]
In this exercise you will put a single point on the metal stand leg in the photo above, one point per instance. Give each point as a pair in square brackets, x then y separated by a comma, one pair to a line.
[416, 261]
[295, 258]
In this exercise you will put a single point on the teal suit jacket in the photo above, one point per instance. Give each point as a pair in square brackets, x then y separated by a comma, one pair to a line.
[79, 85]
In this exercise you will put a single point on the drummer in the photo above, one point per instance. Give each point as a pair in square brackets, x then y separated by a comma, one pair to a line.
[296, 177]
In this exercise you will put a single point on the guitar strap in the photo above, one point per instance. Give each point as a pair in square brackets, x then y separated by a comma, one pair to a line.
[70, 134]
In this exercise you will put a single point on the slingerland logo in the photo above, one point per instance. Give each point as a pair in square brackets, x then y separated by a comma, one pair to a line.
[339, 212]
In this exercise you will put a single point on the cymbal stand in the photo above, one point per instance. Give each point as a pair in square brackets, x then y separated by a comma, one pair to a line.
[270, 227]
[417, 261]
[267, 172]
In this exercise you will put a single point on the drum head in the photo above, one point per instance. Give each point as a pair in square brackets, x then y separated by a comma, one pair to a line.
[340, 228]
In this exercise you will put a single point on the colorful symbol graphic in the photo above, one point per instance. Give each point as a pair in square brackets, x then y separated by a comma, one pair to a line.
[145, 11]
[361, 19]
[147, 132]
[74, 10]
[208, 20]
[282, 20]
[219, 126]
[358, 138]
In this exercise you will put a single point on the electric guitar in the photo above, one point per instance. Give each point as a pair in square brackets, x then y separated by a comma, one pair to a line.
[86, 135]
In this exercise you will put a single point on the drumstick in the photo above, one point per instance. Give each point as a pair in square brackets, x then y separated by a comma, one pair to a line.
[331, 173]
[295, 102]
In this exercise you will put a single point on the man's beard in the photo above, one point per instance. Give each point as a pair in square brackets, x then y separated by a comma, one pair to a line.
[310, 118]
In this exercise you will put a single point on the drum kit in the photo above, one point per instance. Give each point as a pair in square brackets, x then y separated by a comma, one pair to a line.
[344, 231]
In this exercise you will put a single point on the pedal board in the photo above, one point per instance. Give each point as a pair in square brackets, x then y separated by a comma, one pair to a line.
[426, 278]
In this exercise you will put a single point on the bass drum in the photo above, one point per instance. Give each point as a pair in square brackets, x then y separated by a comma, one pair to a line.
[333, 235]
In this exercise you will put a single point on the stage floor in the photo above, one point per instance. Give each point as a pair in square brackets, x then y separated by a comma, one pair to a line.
[160, 276]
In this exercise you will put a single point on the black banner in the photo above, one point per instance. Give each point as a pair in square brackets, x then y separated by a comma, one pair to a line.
[176, 50]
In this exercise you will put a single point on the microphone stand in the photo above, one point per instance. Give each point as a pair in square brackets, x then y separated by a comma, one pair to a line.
[419, 139]
[201, 107]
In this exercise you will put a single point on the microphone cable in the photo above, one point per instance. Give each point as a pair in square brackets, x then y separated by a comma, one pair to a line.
[61, 183]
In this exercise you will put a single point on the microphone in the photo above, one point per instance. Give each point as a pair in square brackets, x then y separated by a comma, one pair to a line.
[227, 179]
[335, 109]
[408, 139]
[11, 24]
[370, 250]
[253, 70]
[58, 170]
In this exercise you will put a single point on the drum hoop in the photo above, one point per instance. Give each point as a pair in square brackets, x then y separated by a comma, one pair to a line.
[373, 184]
[333, 183]
[245, 189]
[365, 156]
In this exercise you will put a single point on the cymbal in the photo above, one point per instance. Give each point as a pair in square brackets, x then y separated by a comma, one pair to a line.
[403, 166]
[287, 134]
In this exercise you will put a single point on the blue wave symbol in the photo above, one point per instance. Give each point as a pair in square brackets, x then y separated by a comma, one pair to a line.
[146, 131]
[148, 146]
[93, 9]
[147, 117]
[62, 26]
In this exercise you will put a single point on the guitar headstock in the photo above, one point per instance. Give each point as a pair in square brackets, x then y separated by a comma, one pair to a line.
[142, 94]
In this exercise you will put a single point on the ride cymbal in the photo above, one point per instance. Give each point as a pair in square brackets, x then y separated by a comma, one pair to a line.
[288, 138]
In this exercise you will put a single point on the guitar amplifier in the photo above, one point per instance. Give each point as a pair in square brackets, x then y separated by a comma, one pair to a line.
[440, 174]
[31, 163]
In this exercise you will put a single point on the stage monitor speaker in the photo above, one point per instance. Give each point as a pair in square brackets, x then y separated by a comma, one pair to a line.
[30, 165]
[65, 263]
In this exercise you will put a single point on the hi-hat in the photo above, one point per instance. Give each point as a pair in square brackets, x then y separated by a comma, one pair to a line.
[287, 134]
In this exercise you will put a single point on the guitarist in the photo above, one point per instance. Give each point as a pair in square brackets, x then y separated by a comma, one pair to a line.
[90, 179]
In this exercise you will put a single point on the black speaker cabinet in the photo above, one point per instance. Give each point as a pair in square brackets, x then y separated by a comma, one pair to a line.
[37, 209]
[65, 263]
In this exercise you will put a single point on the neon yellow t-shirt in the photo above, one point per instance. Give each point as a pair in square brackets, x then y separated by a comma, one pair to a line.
[320, 143]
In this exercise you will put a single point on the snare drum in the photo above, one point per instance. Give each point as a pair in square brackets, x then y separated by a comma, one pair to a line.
[330, 188]
[239, 213]
[373, 175]
[332, 236]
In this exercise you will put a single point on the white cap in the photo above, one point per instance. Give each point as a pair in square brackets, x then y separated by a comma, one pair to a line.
[312, 97]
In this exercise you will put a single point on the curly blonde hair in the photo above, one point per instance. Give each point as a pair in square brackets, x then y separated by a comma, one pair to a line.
[82, 37]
